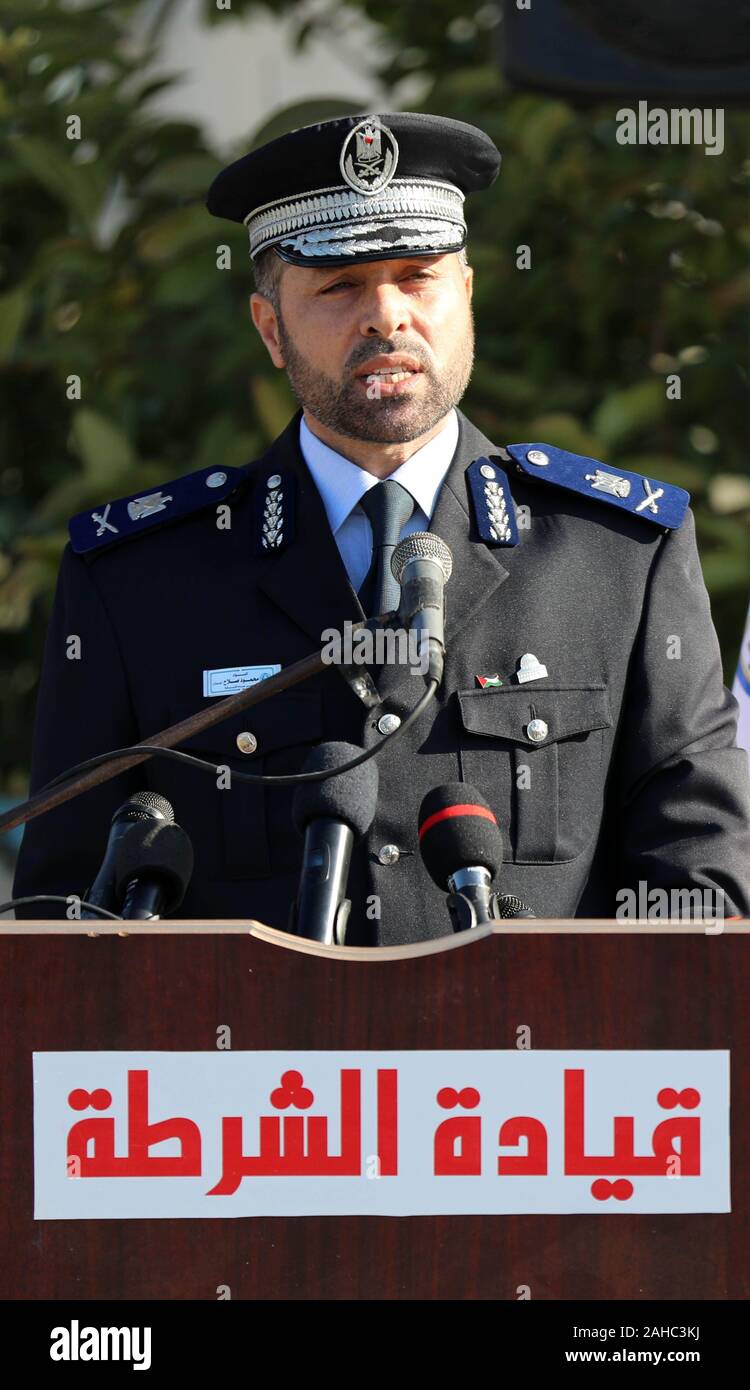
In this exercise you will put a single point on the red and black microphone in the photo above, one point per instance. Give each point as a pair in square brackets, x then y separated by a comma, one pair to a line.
[462, 849]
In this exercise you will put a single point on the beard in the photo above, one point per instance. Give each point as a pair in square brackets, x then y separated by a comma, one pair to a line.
[346, 407]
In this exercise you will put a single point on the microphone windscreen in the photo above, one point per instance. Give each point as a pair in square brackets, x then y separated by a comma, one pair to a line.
[163, 849]
[421, 545]
[352, 797]
[457, 830]
[146, 806]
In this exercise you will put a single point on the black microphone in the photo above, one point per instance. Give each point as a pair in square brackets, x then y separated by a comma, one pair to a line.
[148, 807]
[462, 850]
[511, 906]
[153, 867]
[422, 564]
[330, 814]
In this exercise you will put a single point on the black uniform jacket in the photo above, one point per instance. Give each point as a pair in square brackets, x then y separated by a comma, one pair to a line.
[639, 780]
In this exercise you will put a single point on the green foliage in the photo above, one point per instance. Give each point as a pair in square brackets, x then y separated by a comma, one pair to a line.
[108, 273]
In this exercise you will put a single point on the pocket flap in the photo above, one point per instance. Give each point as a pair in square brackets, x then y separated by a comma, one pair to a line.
[566, 710]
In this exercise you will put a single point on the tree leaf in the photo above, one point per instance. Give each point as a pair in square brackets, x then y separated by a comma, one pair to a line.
[624, 414]
[13, 309]
[104, 448]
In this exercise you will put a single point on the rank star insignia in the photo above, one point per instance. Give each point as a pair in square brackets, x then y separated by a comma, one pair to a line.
[369, 156]
[486, 682]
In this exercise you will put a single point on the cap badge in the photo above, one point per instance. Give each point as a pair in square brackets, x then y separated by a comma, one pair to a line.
[369, 156]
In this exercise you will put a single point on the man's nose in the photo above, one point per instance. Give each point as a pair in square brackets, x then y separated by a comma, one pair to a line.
[386, 312]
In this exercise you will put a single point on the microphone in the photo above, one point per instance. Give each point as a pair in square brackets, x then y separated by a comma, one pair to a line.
[462, 850]
[511, 906]
[330, 814]
[147, 807]
[153, 867]
[422, 564]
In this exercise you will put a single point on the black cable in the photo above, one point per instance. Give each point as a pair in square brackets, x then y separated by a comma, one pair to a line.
[58, 898]
[288, 780]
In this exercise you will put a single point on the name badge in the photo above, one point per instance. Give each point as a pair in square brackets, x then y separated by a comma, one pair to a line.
[227, 680]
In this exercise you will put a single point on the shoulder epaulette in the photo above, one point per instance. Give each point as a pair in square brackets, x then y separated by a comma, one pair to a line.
[142, 511]
[662, 503]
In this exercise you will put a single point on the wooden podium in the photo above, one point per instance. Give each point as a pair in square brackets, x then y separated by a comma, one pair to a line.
[170, 985]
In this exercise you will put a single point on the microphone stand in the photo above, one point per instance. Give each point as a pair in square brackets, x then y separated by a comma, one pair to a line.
[357, 679]
[472, 900]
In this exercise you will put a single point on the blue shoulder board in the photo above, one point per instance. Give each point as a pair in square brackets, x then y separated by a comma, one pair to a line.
[492, 502]
[662, 503]
[134, 515]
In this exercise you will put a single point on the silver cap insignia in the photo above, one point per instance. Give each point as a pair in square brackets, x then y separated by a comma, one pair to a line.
[369, 156]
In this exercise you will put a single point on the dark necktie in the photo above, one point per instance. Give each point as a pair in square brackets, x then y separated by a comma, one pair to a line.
[388, 506]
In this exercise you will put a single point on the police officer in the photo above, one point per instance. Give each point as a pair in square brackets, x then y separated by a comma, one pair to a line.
[582, 692]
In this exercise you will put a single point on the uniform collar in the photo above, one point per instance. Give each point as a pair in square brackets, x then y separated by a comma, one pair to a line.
[308, 580]
[342, 483]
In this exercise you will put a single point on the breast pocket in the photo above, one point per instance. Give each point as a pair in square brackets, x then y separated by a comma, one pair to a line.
[536, 755]
[243, 830]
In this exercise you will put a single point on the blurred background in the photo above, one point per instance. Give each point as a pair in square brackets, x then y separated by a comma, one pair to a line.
[640, 254]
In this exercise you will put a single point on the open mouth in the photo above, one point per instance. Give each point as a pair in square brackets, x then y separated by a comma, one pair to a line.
[382, 382]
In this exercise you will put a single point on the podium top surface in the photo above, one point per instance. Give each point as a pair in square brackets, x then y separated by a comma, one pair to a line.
[546, 926]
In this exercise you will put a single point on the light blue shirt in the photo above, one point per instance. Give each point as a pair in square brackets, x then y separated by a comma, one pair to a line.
[342, 483]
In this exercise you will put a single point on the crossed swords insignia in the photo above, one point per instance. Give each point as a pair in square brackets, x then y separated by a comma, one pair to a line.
[651, 497]
[101, 518]
[620, 487]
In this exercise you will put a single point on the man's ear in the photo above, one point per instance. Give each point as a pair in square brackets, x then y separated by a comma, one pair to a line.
[263, 315]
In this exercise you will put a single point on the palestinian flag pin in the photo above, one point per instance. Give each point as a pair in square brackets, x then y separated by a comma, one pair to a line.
[487, 682]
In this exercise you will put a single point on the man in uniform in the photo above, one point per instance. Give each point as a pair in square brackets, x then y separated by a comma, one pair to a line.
[582, 693]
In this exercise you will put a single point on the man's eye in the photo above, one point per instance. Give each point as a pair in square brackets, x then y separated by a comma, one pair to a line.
[414, 275]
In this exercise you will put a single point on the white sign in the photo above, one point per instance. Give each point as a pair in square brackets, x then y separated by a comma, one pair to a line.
[201, 1134]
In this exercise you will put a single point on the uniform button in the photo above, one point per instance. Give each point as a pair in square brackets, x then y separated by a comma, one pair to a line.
[387, 723]
[537, 730]
[389, 854]
[274, 480]
[216, 479]
[486, 471]
[536, 456]
[247, 742]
